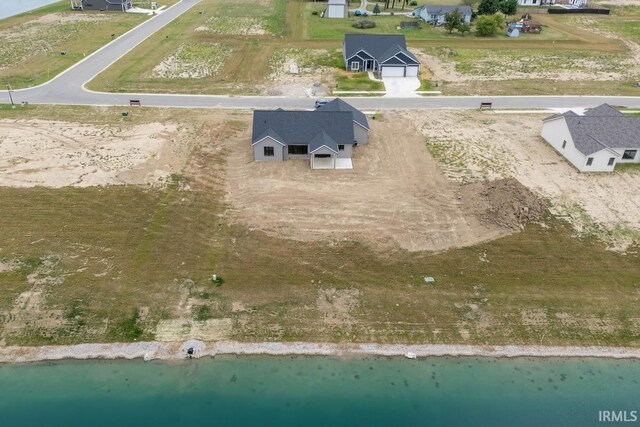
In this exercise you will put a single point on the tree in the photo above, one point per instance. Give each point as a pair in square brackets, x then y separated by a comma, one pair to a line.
[500, 19]
[509, 7]
[488, 7]
[486, 25]
[376, 9]
[464, 28]
[452, 20]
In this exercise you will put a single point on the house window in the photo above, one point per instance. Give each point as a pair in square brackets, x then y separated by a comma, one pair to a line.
[341, 147]
[355, 66]
[611, 161]
[589, 161]
[298, 150]
[268, 151]
[534, 1]
[564, 144]
[629, 154]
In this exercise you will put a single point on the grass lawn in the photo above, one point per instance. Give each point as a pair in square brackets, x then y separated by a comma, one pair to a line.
[357, 81]
[114, 261]
[32, 42]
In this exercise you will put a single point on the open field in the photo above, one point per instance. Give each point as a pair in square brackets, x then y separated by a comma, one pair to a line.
[32, 42]
[125, 262]
[570, 56]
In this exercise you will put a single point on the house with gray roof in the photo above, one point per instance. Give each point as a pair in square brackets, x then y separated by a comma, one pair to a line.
[386, 54]
[434, 14]
[595, 141]
[105, 5]
[326, 136]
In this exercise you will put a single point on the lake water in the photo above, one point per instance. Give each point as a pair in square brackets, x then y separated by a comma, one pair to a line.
[313, 391]
[14, 7]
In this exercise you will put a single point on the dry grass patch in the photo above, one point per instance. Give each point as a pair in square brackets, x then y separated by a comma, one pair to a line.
[193, 61]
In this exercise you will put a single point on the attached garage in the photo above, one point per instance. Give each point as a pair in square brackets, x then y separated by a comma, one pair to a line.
[412, 71]
[392, 71]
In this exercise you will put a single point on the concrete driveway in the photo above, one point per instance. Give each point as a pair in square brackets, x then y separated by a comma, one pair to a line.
[401, 87]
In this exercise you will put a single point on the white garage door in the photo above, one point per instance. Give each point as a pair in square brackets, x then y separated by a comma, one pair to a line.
[412, 71]
[392, 71]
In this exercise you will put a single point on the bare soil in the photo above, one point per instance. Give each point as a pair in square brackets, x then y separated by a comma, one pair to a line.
[395, 195]
[57, 154]
[474, 146]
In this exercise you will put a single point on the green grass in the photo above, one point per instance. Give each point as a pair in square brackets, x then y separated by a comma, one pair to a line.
[123, 251]
[357, 81]
[628, 168]
[33, 53]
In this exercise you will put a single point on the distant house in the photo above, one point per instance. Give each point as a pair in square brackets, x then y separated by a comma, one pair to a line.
[435, 14]
[383, 53]
[336, 9]
[325, 136]
[536, 2]
[596, 141]
[107, 5]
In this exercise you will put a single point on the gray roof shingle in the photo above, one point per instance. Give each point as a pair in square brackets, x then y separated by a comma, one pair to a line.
[322, 139]
[600, 128]
[338, 104]
[380, 46]
[300, 127]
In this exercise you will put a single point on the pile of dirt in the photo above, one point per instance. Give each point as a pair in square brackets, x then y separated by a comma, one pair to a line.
[505, 203]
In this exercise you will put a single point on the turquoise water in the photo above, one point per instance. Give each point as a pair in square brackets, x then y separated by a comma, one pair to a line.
[318, 391]
[14, 7]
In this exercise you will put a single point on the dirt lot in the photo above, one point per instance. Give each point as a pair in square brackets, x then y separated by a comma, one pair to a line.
[395, 194]
[510, 146]
[57, 154]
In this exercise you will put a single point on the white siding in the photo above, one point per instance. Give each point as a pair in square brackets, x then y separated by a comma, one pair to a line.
[556, 132]
[336, 11]
[620, 152]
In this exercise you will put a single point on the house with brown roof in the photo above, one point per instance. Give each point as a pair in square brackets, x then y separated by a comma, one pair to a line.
[596, 141]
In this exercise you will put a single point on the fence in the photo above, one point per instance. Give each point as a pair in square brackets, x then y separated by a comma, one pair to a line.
[560, 11]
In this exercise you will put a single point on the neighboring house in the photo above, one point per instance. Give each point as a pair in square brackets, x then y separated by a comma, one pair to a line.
[325, 136]
[336, 9]
[386, 54]
[435, 14]
[108, 5]
[360, 123]
[596, 141]
[536, 2]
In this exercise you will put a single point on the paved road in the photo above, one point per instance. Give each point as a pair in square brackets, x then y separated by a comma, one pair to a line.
[67, 88]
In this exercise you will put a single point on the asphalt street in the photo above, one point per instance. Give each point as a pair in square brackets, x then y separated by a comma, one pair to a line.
[68, 87]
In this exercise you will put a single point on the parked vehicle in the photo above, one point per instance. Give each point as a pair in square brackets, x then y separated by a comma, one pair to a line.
[321, 102]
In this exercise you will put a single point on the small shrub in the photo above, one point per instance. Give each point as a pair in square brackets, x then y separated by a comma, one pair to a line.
[413, 3]
[364, 24]
[217, 280]
[314, 13]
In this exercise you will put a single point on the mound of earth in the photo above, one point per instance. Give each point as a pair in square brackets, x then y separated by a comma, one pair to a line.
[505, 203]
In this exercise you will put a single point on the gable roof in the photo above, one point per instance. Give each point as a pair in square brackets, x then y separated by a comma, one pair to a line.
[398, 51]
[338, 104]
[602, 128]
[380, 46]
[323, 140]
[301, 127]
[269, 133]
[442, 10]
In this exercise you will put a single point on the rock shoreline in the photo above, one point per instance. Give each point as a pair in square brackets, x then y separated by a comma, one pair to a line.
[178, 350]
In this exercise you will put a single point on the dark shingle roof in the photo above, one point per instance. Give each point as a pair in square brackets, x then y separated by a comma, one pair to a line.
[339, 105]
[380, 46]
[300, 127]
[322, 139]
[600, 128]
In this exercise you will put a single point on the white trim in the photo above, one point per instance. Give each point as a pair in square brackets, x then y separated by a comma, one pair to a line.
[325, 146]
[354, 66]
[268, 137]
[361, 125]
